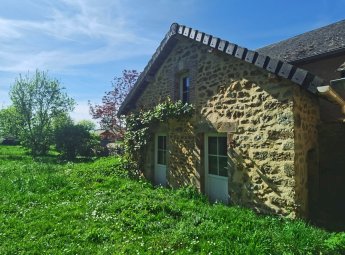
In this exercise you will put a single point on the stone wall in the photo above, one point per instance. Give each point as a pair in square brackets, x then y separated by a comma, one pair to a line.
[262, 150]
[183, 145]
[332, 165]
[307, 118]
[263, 108]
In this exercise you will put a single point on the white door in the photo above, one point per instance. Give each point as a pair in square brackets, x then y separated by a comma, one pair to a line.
[216, 165]
[160, 175]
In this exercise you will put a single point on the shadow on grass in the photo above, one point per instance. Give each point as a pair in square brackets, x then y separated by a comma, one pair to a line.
[59, 159]
[18, 153]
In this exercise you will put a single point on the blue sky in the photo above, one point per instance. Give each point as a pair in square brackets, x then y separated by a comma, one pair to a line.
[85, 43]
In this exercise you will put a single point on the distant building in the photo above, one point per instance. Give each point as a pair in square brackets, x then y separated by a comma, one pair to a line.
[107, 136]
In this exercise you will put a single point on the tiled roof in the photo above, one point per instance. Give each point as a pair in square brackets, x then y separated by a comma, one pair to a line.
[280, 68]
[321, 41]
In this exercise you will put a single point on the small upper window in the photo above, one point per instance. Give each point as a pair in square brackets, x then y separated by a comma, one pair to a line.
[184, 89]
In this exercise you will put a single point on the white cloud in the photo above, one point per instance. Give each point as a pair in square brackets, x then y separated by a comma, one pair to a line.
[81, 112]
[74, 33]
[83, 42]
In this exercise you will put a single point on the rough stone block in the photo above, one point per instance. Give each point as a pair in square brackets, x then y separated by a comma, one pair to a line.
[222, 45]
[299, 76]
[240, 52]
[214, 42]
[192, 34]
[186, 31]
[285, 70]
[199, 36]
[206, 39]
[180, 29]
[231, 49]
[250, 56]
[261, 61]
[316, 82]
[273, 65]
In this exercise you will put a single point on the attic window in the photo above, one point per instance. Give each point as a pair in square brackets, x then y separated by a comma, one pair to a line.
[184, 88]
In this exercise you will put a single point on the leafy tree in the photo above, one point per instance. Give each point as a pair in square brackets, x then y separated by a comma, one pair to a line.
[61, 120]
[38, 99]
[71, 140]
[9, 122]
[106, 112]
[87, 124]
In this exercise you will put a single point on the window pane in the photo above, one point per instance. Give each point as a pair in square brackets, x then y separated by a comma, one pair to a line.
[212, 145]
[223, 166]
[162, 142]
[222, 148]
[212, 165]
[184, 89]
[164, 157]
[185, 98]
[160, 157]
[185, 84]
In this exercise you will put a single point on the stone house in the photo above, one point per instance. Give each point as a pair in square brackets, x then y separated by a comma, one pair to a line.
[268, 131]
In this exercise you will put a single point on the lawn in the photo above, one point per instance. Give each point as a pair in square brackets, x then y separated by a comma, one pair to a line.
[91, 207]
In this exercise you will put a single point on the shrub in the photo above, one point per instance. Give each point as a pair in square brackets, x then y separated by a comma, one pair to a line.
[75, 140]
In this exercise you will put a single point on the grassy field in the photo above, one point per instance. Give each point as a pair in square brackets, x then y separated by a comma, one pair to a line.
[93, 208]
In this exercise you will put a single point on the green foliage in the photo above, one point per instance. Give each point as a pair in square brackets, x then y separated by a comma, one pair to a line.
[38, 99]
[76, 140]
[139, 126]
[71, 141]
[336, 243]
[61, 120]
[87, 124]
[9, 122]
[94, 208]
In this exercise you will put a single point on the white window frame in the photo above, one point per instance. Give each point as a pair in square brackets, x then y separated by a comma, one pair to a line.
[157, 149]
[207, 154]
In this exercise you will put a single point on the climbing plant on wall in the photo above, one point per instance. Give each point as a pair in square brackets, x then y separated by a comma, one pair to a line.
[139, 128]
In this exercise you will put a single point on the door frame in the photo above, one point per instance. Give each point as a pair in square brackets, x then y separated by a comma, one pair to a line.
[206, 136]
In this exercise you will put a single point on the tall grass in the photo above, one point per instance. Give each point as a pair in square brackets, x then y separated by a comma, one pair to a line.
[92, 208]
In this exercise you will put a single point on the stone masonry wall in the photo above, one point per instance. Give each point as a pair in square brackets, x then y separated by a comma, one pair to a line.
[260, 107]
[262, 150]
[307, 118]
[332, 164]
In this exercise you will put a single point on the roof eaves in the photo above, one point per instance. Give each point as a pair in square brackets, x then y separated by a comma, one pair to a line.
[318, 56]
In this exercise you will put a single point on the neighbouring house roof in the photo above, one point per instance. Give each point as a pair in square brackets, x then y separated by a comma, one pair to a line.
[101, 131]
[319, 42]
[283, 69]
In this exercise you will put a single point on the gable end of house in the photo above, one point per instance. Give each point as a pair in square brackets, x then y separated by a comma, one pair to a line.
[282, 69]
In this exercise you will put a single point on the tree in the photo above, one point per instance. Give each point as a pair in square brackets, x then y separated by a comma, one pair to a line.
[112, 100]
[72, 140]
[9, 122]
[38, 99]
[87, 124]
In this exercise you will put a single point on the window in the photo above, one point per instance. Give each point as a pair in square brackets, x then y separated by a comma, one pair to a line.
[162, 150]
[184, 89]
[217, 156]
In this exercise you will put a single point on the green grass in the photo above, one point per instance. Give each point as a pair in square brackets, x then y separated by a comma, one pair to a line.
[92, 208]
